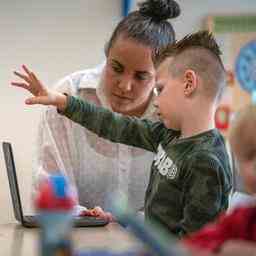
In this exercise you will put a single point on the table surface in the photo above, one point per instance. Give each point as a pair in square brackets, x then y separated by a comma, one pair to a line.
[17, 240]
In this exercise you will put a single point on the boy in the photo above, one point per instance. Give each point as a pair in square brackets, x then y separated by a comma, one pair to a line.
[235, 232]
[190, 176]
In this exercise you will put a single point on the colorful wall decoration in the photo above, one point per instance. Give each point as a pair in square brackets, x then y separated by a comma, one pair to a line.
[236, 36]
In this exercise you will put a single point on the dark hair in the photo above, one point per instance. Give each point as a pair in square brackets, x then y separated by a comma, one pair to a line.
[148, 25]
[202, 39]
[201, 53]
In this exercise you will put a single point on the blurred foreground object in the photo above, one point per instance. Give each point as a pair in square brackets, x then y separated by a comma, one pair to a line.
[155, 239]
[55, 203]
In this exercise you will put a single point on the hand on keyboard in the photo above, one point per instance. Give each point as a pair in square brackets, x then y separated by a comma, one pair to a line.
[98, 212]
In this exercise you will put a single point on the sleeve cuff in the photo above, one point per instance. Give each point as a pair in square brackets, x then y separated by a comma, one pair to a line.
[63, 112]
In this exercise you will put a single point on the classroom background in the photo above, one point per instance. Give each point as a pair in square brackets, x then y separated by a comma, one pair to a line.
[56, 38]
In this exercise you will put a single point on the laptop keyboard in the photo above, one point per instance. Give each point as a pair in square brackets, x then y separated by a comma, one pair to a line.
[84, 221]
[30, 218]
[89, 221]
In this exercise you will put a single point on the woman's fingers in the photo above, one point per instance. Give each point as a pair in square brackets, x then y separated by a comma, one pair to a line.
[86, 213]
[109, 217]
[98, 212]
[95, 212]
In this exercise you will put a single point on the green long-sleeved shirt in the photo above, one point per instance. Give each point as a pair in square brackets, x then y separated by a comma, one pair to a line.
[190, 178]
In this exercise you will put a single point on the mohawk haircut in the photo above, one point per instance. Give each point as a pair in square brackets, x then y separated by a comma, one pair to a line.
[203, 39]
[200, 53]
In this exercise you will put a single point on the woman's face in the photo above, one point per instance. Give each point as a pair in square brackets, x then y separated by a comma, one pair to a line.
[129, 76]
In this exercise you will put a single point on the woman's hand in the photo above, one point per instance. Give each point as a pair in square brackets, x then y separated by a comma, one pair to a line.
[98, 212]
[42, 95]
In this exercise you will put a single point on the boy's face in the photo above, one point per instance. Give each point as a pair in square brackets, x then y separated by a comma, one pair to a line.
[169, 99]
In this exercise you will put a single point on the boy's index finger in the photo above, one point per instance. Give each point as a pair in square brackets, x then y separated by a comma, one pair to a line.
[28, 72]
[24, 67]
[21, 76]
[35, 77]
[36, 80]
[20, 84]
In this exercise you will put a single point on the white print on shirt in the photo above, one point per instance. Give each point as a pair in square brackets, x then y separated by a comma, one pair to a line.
[164, 164]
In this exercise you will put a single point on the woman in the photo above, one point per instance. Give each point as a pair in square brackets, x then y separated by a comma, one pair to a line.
[123, 84]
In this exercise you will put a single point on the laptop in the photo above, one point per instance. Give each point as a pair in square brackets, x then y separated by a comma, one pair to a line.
[30, 221]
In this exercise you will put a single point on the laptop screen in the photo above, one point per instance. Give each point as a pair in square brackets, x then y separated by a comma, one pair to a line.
[13, 183]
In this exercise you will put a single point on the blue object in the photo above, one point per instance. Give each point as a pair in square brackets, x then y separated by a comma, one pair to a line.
[245, 67]
[59, 184]
[149, 236]
[55, 223]
[109, 253]
[155, 238]
[254, 97]
[55, 236]
[127, 4]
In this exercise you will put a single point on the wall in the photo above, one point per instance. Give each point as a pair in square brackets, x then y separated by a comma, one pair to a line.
[194, 12]
[55, 40]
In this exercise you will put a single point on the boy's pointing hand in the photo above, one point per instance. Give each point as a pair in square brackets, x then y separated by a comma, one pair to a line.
[42, 95]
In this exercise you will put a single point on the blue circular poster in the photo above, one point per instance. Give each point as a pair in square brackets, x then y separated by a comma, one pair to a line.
[245, 67]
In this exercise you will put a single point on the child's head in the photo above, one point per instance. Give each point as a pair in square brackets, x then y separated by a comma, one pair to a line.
[243, 143]
[190, 77]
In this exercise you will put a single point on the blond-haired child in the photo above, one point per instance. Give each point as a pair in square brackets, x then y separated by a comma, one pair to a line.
[235, 231]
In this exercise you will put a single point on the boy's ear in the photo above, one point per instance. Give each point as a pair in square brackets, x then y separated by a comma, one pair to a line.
[190, 82]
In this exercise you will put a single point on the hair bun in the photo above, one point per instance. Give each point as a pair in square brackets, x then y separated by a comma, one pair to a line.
[160, 10]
